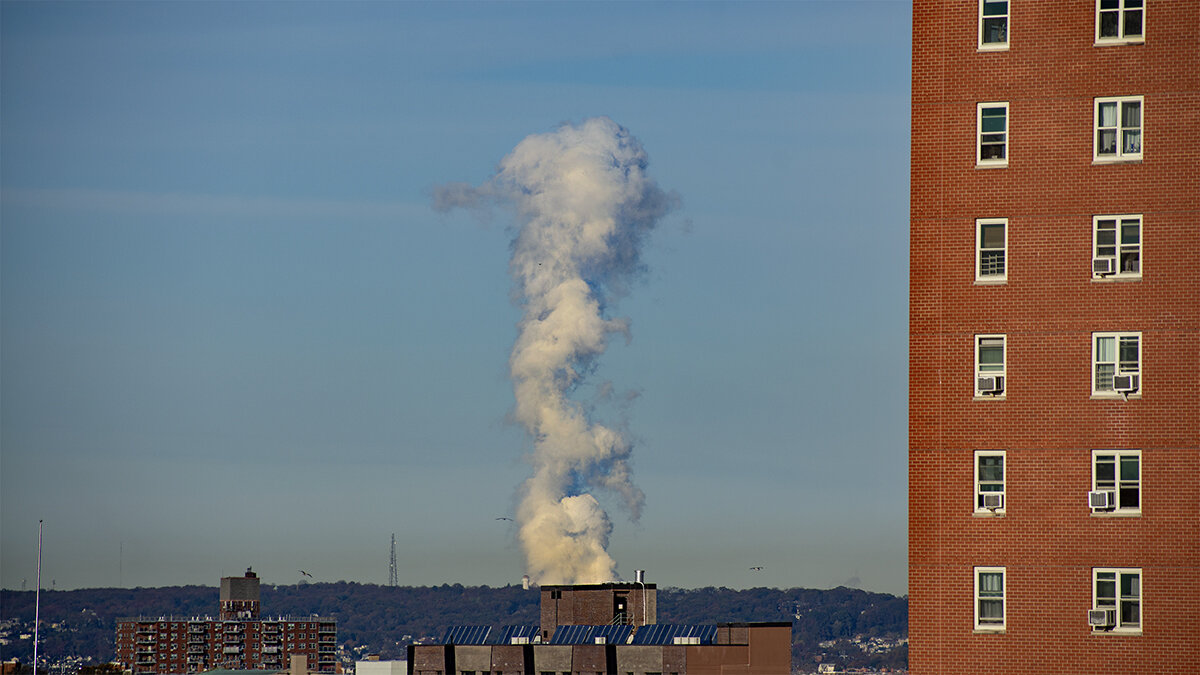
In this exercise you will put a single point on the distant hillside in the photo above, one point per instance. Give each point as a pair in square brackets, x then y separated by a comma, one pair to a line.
[857, 628]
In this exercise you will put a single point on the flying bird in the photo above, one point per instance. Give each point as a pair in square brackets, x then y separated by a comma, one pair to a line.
[306, 574]
[756, 569]
[504, 518]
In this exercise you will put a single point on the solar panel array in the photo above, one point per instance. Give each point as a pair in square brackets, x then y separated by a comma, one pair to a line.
[523, 634]
[586, 635]
[466, 635]
[665, 634]
[484, 635]
[618, 635]
[654, 634]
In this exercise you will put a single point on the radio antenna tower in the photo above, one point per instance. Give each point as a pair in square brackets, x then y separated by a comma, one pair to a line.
[392, 576]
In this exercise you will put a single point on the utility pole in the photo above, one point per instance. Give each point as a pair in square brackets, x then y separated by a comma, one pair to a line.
[393, 577]
[37, 602]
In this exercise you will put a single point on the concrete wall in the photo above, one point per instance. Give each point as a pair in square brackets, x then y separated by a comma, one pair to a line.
[473, 658]
[552, 659]
[380, 667]
[640, 659]
[240, 596]
[240, 588]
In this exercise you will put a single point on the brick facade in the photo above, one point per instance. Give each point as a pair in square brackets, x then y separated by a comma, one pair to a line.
[1048, 421]
[743, 648]
[747, 649]
[598, 605]
[239, 640]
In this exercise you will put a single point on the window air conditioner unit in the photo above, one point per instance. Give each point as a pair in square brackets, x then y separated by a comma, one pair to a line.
[1103, 266]
[1102, 618]
[993, 500]
[1102, 499]
[991, 385]
[1126, 382]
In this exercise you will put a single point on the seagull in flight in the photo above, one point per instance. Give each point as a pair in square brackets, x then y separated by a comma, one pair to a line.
[757, 568]
[306, 574]
[505, 518]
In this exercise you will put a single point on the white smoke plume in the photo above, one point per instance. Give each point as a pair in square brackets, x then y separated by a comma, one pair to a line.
[583, 204]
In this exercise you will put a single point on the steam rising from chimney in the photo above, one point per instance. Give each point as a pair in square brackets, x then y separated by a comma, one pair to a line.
[583, 205]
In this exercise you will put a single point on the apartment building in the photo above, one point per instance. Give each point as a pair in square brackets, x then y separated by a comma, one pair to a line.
[239, 639]
[1054, 389]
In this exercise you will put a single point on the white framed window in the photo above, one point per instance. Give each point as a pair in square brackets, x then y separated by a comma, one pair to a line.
[989, 598]
[1120, 21]
[990, 379]
[993, 24]
[1118, 129]
[1117, 246]
[992, 123]
[1118, 592]
[1116, 364]
[1118, 473]
[989, 481]
[991, 250]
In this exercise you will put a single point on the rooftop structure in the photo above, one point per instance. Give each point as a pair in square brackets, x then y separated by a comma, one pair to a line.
[240, 596]
[607, 628]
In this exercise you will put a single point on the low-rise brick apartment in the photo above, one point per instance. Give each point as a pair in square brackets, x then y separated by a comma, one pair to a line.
[1054, 393]
[238, 639]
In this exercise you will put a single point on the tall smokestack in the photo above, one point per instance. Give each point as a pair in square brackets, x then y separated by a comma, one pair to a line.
[583, 205]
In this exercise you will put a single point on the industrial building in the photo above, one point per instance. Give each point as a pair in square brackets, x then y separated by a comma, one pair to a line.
[239, 639]
[607, 629]
[1054, 419]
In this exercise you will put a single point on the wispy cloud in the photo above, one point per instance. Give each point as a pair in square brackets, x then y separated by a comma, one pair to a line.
[182, 203]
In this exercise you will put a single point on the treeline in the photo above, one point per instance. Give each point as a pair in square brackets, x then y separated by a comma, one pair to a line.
[384, 620]
[846, 617]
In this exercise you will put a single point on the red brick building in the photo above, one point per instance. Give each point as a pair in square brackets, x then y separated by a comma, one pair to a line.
[607, 629]
[1054, 384]
[598, 604]
[238, 640]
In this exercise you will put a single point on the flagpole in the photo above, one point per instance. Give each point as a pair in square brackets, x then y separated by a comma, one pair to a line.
[37, 603]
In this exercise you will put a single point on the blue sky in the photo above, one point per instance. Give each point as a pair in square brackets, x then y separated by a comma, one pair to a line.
[235, 332]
